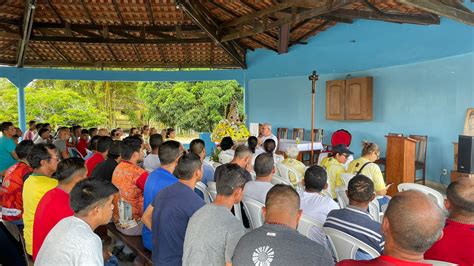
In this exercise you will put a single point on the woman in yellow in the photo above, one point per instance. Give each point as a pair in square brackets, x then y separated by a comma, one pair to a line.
[365, 165]
[334, 165]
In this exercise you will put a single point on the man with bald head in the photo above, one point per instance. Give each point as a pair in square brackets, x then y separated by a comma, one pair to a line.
[277, 242]
[412, 223]
[457, 243]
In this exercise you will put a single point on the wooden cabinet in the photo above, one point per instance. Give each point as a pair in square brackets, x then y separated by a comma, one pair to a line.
[349, 99]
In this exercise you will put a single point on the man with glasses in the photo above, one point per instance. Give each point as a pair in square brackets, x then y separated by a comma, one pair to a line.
[44, 161]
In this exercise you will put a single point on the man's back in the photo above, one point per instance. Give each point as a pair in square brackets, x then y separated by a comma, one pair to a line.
[455, 246]
[156, 181]
[105, 170]
[172, 209]
[151, 162]
[11, 193]
[257, 190]
[274, 244]
[211, 236]
[317, 207]
[71, 242]
[7, 146]
[359, 224]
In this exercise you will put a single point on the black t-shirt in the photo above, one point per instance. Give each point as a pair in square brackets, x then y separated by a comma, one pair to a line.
[104, 170]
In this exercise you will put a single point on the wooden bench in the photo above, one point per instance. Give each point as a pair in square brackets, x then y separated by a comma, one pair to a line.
[135, 243]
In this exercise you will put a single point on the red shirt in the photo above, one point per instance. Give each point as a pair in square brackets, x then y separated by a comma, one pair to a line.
[456, 245]
[93, 161]
[82, 146]
[11, 193]
[52, 208]
[382, 261]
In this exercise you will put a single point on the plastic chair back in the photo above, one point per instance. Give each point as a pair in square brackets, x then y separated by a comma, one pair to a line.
[203, 188]
[341, 196]
[346, 177]
[211, 189]
[345, 246]
[253, 210]
[285, 172]
[215, 165]
[276, 179]
[435, 195]
[341, 136]
[374, 211]
[306, 223]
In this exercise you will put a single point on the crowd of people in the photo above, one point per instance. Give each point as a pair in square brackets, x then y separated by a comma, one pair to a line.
[59, 189]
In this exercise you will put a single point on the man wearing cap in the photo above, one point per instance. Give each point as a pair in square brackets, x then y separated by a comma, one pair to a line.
[334, 165]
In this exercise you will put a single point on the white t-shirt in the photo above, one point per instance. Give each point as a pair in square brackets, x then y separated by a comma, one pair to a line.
[257, 190]
[270, 137]
[317, 207]
[226, 156]
[71, 242]
[151, 162]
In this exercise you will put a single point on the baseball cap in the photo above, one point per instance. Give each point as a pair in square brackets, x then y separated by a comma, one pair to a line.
[341, 148]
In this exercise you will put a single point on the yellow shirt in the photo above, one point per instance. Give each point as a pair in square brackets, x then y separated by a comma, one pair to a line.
[297, 166]
[371, 170]
[33, 190]
[334, 170]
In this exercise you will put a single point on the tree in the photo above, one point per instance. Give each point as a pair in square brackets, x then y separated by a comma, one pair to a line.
[63, 107]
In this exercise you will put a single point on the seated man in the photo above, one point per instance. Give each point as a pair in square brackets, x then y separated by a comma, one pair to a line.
[171, 210]
[8, 156]
[265, 132]
[242, 158]
[264, 170]
[349, 220]
[72, 241]
[12, 185]
[105, 169]
[277, 241]
[292, 153]
[61, 142]
[103, 145]
[152, 160]
[44, 161]
[203, 248]
[313, 203]
[44, 136]
[197, 146]
[169, 152]
[412, 223]
[457, 243]
[54, 206]
[83, 142]
[130, 179]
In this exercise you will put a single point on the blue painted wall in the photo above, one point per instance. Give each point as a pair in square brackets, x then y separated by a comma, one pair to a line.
[423, 83]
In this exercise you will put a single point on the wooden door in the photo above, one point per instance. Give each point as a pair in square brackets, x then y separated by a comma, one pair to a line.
[335, 99]
[358, 99]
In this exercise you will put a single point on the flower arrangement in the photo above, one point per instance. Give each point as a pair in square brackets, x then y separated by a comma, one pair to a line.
[226, 128]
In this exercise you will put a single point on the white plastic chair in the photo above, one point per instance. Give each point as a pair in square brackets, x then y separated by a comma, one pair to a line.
[306, 223]
[374, 211]
[225, 158]
[276, 179]
[345, 178]
[435, 195]
[253, 210]
[215, 165]
[285, 172]
[345, 246]
[341, 196]
[203, 188]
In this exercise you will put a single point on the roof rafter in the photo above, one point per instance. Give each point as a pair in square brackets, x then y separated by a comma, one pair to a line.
[27, 29]
[387, 17]
[211, 29]
[441, 9]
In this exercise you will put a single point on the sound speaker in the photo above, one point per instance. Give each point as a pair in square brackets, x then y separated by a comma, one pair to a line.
[466, 154]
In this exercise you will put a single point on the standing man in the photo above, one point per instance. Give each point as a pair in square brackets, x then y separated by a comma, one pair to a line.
[8, 156]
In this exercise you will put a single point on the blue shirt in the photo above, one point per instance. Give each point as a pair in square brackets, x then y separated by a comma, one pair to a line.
[357, 223]
[7, 146]
[172, 208]
[157, 180]
[208, 173]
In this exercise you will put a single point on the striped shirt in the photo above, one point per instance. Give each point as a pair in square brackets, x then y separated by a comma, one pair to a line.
[359, 224]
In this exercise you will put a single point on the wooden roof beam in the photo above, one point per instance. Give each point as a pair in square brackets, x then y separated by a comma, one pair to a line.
[211, 30]
[289, 20]
[388, 17]
[441, 9]
[283, 38]
[100, 40]
[27, 29]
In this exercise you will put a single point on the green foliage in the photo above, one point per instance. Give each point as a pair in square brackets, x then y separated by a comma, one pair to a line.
[58, 107]
[190, 105]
